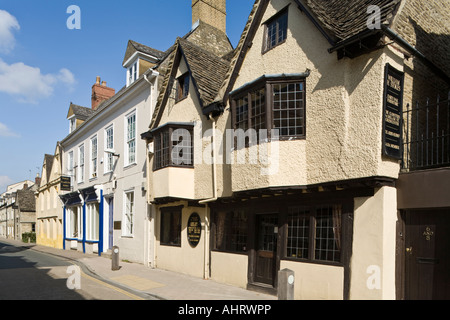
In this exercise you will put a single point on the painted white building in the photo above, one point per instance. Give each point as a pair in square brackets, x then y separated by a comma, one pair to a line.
[106, 160]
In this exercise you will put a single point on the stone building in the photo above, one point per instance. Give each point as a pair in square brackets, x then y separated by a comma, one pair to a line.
[294, 158]
[49, 211]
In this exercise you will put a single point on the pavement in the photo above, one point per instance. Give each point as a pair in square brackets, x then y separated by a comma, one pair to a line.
[147, 283]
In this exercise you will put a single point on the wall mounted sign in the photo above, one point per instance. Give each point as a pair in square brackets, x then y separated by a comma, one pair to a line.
[65, 184]
[194, 229]
[392, 112]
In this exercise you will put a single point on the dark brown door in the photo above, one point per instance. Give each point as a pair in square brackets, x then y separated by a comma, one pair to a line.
[266, 248]
[427, 255]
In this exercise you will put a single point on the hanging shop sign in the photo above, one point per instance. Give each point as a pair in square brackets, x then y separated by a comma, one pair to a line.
[194, 229]
[392, 112]
[65, 184]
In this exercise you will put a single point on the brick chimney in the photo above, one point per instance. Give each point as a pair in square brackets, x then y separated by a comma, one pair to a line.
[212, 12]
[100, 93]
[37, 180]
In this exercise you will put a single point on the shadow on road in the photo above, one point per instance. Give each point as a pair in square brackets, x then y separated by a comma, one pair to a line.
[22, 279]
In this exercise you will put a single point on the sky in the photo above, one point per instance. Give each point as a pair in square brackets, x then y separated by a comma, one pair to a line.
[45, 65]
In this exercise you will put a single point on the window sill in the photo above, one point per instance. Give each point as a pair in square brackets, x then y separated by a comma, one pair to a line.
[131, 165]
[170, 245]
[242, 253]
[322, 262]
[271, 48]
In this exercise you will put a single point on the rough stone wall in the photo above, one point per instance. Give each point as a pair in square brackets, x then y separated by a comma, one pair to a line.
[213, 12]
[426, 26]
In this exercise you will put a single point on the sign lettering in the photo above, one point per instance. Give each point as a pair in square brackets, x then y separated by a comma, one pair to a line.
[392, 121]
[194, 229]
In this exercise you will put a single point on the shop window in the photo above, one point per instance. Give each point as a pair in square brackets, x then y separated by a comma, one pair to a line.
[231, 232]
[315, 233]
[92, 221]
[170, 233]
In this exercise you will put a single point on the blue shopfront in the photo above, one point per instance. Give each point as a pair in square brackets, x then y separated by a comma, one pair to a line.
[83, 220]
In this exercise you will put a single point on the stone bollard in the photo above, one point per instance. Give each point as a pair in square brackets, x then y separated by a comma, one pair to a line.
[115, 258]
[286, 280]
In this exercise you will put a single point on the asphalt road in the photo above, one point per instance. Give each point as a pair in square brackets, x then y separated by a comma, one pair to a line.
[30, 275]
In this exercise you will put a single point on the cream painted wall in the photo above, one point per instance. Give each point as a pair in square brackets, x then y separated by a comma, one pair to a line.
[315, 281]
[229, 268]
[139, 98]
[374, 239]
[184, 259]
[343, 108]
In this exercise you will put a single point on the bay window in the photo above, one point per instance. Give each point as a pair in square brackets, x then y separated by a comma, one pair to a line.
[173, 146]
[271, 103]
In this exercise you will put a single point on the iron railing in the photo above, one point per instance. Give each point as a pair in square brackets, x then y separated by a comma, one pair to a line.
[426, 135]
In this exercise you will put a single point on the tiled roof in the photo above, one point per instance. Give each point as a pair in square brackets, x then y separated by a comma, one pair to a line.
[26, 200]
[208, 70]
[134, 46]
[344, 19]
[208, 73]
[48, 165]
[80, 112]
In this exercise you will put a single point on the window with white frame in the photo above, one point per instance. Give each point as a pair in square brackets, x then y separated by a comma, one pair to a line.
[109, 143]
[132, 73]
[92, 221]
[70, 171]
[73, 124]
[129, 214]
[74, 222]
[130, 152]
[94, 153]
[81, 163]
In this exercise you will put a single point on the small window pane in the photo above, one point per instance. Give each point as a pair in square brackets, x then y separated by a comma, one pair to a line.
[328, 234]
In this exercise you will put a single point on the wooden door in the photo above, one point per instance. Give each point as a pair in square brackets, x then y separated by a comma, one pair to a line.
[266, 248]
[427, 255]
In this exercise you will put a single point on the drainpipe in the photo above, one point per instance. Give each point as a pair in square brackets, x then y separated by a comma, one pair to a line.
[151, 247]
[206, 201]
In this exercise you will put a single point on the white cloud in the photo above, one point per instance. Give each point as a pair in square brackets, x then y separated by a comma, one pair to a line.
[8, 23]
[29, 84]
[4, 183]
[6, 132]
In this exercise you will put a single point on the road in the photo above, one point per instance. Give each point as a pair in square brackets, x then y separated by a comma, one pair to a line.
[30, 275]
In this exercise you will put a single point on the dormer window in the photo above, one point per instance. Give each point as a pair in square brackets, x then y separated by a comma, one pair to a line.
[72, 124]
[182, 87]
[276, 30]
[132, 73]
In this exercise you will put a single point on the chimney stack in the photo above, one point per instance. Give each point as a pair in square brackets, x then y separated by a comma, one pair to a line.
[212, 12]
[100, 93]
[37, 180]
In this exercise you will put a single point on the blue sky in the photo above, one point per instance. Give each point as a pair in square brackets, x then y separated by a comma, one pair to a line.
[44, 65]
